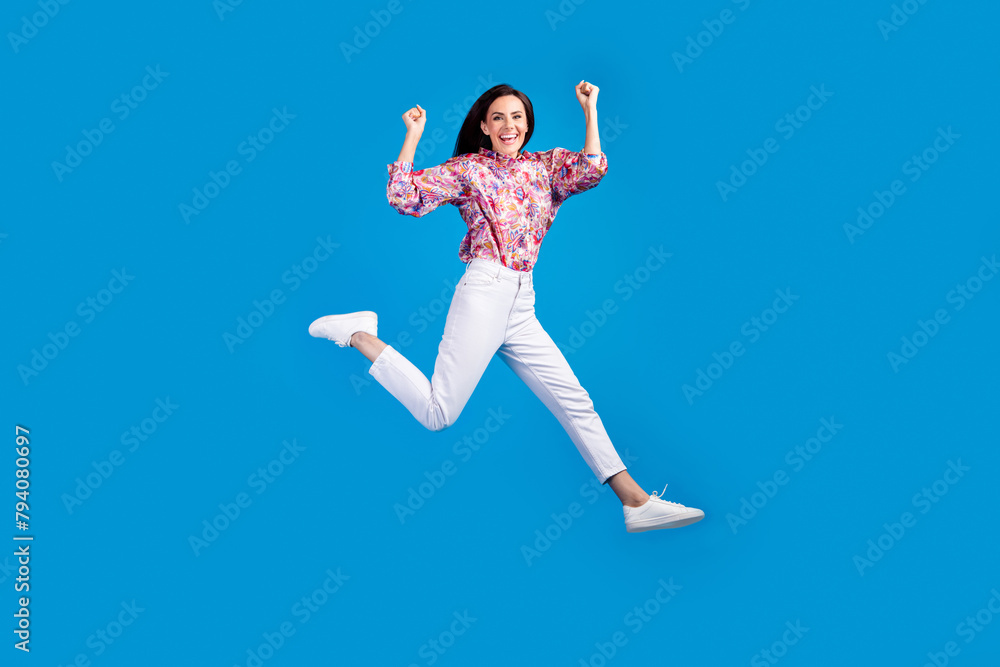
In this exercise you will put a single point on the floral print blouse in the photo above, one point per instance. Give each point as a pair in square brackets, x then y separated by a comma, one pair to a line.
[508, 202]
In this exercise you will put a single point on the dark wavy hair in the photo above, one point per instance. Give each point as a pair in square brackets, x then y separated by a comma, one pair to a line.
[471, 137]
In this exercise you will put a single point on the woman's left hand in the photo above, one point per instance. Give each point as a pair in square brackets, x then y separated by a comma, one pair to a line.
[586, 94]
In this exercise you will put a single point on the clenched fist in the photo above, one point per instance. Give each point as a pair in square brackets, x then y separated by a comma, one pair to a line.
[586, 94]
[415, 119]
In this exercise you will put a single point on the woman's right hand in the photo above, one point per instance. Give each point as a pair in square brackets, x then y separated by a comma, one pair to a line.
[415, 119]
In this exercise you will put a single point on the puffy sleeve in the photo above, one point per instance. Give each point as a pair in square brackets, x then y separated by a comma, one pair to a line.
[419, 192]
[571, 173]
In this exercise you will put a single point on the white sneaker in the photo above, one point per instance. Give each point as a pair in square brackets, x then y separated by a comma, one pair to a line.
[340, 328]
[659, 513]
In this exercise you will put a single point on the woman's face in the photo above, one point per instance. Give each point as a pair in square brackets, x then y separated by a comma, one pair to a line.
[506, 120]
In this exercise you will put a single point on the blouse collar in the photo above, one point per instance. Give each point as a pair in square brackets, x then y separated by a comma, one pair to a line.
[500, 156]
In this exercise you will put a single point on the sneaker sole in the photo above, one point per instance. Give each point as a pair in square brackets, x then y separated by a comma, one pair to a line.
[653, 524]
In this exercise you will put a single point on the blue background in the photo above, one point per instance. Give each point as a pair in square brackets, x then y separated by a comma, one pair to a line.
[671, 133]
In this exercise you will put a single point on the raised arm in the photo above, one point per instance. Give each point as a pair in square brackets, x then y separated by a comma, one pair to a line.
[414, 119]
[420, 192]
[586, 94]
[571, 173]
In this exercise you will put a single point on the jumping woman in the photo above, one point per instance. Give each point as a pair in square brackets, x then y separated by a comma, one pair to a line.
[508, 199]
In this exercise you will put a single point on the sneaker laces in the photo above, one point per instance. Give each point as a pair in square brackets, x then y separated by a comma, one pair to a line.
[659, 496]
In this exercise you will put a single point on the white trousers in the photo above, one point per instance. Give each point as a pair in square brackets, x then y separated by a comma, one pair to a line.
[493, 312]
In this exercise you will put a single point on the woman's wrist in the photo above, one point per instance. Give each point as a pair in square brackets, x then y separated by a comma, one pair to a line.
[409, 147]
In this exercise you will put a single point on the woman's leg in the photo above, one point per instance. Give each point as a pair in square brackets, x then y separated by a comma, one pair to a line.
[473, 330]
[537, 360]
[630, 493]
